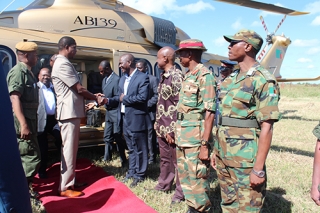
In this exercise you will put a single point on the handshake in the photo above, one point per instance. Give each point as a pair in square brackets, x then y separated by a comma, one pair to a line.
[99, 101]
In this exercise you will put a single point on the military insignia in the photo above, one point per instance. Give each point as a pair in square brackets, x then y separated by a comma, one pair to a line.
[272, 92]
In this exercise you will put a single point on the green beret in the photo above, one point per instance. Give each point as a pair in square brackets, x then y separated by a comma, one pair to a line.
[26, 46]
[194, 44]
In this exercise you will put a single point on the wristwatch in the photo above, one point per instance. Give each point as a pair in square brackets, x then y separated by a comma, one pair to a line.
[260, 174]
[204, 143]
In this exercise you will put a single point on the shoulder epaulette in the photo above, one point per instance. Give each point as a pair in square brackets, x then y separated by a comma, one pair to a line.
[268, 76]
[204, 71]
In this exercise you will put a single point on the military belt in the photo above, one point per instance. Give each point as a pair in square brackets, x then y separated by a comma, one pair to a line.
[184, 116]
[30, 105]
[238, 122]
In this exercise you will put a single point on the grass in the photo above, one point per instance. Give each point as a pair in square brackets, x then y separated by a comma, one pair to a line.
[289, 163]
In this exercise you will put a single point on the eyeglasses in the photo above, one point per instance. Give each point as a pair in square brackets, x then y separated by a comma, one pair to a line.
[224, 69]
[234, 42]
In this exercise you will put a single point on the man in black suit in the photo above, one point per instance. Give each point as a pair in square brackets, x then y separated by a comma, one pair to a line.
[47, 122]
[133, 113]
[112, 130]
[152, 102]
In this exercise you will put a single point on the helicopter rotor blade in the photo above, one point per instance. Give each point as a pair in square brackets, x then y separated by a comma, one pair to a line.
[280, 23]
[264, 25]
[263, 51]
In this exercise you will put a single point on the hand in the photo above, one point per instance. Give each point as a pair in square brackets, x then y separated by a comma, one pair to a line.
[25, 132]
[99, 94]
[213, 162]
[315, 195]
[255, 180]
[169, 139]
[204, 153]
[121, 97]
[89, 106]
[101, 100]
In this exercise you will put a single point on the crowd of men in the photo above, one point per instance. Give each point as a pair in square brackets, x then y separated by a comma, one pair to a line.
[174, 115]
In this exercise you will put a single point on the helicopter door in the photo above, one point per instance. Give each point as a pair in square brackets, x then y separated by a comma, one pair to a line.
[8, 58]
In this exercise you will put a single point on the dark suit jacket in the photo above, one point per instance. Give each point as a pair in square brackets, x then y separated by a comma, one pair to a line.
[110, 90]
[153, 96]
[135, 101]
[42, 114]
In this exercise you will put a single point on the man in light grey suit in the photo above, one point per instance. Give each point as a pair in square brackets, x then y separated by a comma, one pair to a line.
[46, 118]
[70, 109]
[152, 102]
[112, 130]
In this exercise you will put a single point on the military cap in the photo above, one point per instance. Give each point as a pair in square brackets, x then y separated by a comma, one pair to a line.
[248, 36]
[228, 63]
[194, 44]
[26, 46]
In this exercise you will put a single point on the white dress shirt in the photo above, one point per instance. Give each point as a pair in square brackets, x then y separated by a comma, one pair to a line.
[49, 100]
[125, 88]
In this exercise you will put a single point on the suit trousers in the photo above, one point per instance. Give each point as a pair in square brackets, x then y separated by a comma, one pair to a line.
[138, 151]
[152, 146]
[168, 169]
[112, 132]
[43, 141]
[70, 132]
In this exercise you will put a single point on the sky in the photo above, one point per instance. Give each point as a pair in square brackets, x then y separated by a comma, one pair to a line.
[209, 20]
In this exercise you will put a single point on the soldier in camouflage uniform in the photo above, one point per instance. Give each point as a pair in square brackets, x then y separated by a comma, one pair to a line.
[249, 107]
[195, 115]
[22, 86]
[315, 187]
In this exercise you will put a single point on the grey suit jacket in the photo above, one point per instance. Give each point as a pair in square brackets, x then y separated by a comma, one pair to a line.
[110, 90]
[42, 114]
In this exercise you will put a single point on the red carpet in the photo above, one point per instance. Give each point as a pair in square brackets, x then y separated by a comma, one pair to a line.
[102, 194]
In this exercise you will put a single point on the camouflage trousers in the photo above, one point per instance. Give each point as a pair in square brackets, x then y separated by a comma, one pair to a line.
[236, 193]
[193, 174]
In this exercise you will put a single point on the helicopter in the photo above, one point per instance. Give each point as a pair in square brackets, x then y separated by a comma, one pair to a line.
[107, 29]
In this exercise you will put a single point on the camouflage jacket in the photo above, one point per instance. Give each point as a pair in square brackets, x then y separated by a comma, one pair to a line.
[254, 95]
[197, 95]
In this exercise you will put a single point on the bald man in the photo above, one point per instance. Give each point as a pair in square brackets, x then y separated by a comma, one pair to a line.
[166, 117]
[133, 114]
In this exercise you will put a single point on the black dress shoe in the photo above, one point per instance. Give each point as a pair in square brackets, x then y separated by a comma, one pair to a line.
[126, 179]
[135, 182]
[176, 201]
[192, 210]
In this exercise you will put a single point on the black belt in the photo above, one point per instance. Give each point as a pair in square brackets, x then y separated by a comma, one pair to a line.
[184, 116]
[238, 122]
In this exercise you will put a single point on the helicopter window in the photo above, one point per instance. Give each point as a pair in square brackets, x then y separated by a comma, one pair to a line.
[40, 4]
[8, 59]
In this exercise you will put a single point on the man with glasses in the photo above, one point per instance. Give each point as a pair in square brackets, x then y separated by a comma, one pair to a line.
[23, 90]
[249, 107]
